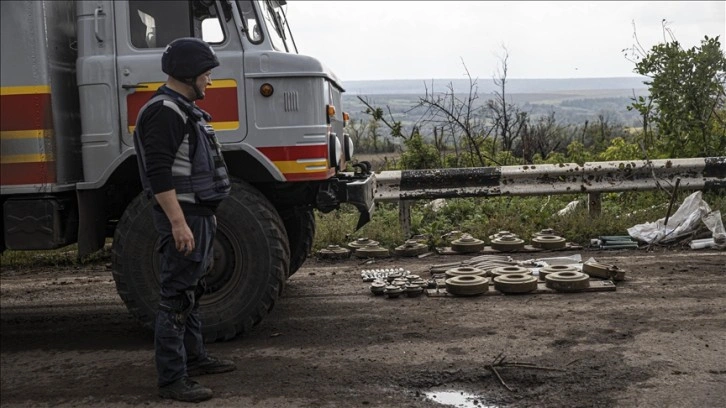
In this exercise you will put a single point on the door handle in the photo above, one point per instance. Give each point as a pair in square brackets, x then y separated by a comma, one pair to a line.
[98, 11]
[137, 86]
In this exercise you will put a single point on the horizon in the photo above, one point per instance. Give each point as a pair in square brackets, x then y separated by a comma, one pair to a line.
[615, 85]
[508, 79]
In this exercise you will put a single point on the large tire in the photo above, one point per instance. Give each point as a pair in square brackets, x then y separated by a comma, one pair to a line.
[300, 227]
[251, 260]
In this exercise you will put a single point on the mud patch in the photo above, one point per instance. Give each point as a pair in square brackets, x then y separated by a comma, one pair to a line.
[602, 376]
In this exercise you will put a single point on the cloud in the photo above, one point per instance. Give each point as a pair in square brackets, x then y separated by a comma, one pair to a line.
[429, 39]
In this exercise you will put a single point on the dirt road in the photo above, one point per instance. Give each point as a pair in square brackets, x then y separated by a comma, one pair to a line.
[659, 340]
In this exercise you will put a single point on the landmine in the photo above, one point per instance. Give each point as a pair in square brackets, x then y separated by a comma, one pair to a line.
[334, 252]
[585, 282]
[412, 248]
[483, 266]
[523, 249]
[595, 286]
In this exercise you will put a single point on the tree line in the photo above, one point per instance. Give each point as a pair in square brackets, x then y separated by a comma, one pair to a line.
[682, 115]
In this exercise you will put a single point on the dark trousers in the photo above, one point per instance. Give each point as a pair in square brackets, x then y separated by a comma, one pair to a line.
[178, 331]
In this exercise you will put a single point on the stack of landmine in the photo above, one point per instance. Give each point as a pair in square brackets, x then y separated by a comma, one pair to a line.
[394, 282]
[506, 241]
[368, 248]
[472, 277]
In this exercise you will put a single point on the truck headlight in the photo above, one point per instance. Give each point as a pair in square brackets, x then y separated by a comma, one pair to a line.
[335, 151]
[348, 147]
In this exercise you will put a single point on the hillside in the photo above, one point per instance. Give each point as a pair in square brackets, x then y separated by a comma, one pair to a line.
[574, 101]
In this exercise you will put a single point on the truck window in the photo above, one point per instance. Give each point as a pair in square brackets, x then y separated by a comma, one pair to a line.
[274, 16]
[154, 24]
[249, 16]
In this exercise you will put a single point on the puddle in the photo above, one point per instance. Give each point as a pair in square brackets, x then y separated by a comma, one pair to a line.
[458, 399]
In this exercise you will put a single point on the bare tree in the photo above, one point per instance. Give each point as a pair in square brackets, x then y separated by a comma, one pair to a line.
[542, 137]
[508, 121]
[457, 114]
[357, 129]
[374, 134]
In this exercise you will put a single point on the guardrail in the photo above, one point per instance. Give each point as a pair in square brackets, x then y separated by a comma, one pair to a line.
[591, 178]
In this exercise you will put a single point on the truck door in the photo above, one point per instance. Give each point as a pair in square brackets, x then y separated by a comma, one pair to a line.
[146, 27]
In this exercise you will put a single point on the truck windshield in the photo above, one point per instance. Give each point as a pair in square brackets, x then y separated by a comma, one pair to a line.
[276, 21]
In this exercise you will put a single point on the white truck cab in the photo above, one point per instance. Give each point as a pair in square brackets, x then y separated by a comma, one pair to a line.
[74, 76]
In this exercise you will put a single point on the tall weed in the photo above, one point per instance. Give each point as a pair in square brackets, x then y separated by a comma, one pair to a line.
[523, 216]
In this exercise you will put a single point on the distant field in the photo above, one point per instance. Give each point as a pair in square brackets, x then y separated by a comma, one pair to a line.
[519, 98]
[571, 107]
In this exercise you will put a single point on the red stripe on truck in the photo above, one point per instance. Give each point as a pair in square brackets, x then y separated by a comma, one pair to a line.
[27, 173]
[25, 112]
[221, 103]
[284, 153]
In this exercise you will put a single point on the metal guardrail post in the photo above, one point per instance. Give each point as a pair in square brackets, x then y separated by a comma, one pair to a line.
[404, 217]
[594, 204]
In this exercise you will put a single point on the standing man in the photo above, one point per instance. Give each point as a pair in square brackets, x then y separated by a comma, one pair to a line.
[182, 168]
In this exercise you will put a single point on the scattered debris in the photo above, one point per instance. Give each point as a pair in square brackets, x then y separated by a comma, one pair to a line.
[683, 224]
[703, 243]
[369, 275]
[499, 363]
[436, 204]
[569, 208]
[599, 270]
[614, 242]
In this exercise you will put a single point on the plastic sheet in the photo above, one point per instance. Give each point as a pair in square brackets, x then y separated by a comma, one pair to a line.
[569, 208]
[685, 220]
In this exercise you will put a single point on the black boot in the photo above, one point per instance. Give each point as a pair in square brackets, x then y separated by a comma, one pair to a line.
[186, 390]
[209, 365]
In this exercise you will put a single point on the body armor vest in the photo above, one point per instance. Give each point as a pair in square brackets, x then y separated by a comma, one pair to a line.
[208, 178]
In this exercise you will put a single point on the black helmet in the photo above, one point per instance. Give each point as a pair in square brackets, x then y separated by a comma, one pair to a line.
[187, 58]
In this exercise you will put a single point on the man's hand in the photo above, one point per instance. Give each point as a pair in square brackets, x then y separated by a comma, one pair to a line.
[183, 237]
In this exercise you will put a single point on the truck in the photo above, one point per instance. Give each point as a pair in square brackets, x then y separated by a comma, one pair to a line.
[74, 76]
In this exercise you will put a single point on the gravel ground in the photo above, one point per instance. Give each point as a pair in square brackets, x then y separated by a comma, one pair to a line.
[659, 340]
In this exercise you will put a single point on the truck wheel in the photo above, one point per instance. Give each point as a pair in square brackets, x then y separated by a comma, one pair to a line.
[300, 227]
[250, 262]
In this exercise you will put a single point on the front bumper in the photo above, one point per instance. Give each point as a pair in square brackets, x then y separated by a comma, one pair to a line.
[351, 188]
[360, 194]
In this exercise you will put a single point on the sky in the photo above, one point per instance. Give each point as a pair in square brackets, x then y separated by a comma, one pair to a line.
[373, 40]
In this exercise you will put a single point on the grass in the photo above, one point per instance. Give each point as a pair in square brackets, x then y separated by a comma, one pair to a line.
[480, 217]
[523, 216]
